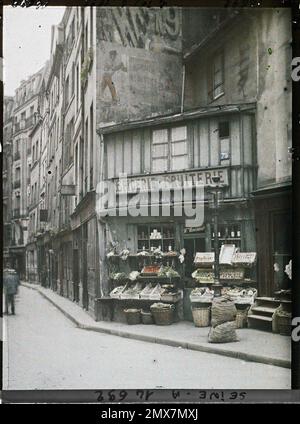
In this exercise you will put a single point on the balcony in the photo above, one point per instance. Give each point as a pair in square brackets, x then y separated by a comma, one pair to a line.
[17, 155]
[17, 184]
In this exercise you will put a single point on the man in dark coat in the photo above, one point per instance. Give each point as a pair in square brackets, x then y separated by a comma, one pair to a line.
[10, 283]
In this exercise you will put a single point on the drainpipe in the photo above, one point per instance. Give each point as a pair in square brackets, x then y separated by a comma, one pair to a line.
[183, 88]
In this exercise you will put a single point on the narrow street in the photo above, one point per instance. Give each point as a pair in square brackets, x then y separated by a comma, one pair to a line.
[46, 351]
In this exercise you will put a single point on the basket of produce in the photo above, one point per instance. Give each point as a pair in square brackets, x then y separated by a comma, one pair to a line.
[145, 293]
[132, 292]
[146, 317]
[116, 292]
[133, 316]
[163, 313]
[201, 316]
[168, 272]
[150, 270]
[202, 295]
[241, 318]
[156, 292]
[170, 295]
[284, 323]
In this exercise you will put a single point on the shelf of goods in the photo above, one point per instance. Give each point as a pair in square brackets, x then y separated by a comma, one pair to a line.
[234, 266]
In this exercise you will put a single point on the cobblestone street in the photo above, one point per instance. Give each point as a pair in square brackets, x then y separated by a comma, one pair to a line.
[46, 351]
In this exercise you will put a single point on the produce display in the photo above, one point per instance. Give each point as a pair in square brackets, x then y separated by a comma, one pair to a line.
[240, 296]
[169, 272]
[151, 270]
[116, 292]
[134, 275]
[156, 292]
[132, 292]
[145, 293]
[202, 294]
[118, 276]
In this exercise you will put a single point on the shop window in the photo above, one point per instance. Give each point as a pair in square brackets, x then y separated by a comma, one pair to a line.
[152, 236]
[169, 149]
[228, 233]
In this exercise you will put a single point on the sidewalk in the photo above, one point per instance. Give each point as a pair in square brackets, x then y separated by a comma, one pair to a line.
[254, 345]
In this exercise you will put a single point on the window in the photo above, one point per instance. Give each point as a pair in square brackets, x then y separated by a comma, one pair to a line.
[224, 136]
[91, 26]
[73, 79]
[178, 148]
[224, 129]
[228, 233]
[218, 75]
[169, 149]
[153, 236]
[91, 147]
[67, 91]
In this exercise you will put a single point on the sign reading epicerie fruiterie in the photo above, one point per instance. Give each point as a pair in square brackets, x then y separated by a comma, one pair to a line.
[176, 180]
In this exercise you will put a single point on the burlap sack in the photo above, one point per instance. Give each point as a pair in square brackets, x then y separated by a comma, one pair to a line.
[223, 333]
[222, 310]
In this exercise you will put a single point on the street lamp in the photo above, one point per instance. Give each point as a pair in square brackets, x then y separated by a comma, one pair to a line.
[216, 199]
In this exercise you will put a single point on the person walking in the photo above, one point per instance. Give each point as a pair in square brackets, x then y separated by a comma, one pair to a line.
[11, 283]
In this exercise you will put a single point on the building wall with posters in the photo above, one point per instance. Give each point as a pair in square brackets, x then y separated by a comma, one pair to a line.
[138, 56]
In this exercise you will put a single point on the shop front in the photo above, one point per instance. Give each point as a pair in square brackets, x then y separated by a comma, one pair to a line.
[150, 259]
[157, 216]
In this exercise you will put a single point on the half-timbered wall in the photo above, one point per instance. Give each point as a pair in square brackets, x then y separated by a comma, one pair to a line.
[225, 142]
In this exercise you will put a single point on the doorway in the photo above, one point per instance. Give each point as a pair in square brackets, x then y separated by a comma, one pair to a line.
[76, 274]
[192, 245]
[85, 295]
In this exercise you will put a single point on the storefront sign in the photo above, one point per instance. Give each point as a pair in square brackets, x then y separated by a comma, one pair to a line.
[179, 180]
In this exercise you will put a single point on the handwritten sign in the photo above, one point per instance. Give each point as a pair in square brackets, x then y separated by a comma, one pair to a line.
[245, 258]
[204, 258]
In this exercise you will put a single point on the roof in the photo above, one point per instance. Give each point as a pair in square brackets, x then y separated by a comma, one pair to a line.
[166, 119]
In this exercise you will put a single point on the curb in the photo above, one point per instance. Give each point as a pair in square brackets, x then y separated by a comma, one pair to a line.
[249, 357]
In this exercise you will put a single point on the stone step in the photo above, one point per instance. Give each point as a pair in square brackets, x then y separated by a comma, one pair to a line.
[264, 309]
[260, 318]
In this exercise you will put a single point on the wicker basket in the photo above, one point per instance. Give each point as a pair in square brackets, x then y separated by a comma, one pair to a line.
[284, 325]
[147, 317]
[201, 316]
[163, 316]
[133, 316]
[241, 318]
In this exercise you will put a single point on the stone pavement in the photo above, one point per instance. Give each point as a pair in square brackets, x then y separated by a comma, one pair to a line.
[254, 345]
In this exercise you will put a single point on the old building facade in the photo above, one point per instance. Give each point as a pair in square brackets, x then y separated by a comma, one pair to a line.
[154, 95]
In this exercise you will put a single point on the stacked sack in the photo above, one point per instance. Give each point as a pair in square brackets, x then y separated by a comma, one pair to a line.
[223, 314]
